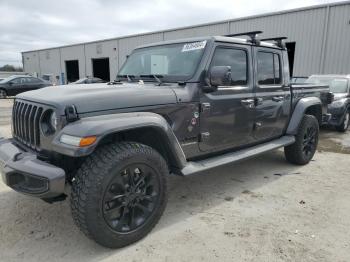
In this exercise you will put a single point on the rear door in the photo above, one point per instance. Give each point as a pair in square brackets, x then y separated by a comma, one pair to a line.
[273, 96]
[226, 121]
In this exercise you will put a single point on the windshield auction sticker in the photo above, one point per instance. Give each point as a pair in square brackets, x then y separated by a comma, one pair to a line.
[194, 46]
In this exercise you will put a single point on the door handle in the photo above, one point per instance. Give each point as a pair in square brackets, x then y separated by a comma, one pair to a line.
[250, 103]
[278, 98]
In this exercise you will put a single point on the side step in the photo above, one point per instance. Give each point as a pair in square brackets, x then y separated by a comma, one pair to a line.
[203, 165]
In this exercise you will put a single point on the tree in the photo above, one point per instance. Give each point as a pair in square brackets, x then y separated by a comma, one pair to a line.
[10, 68]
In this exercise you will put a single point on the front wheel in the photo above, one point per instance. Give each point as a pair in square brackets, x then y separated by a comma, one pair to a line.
[306, 140]
[345, 123]
[3, 94]
[119, 193]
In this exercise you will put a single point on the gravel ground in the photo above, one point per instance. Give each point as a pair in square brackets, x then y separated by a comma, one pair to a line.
[263, 209]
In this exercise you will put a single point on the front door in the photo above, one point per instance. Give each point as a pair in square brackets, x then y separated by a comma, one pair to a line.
[273, 97]
[16, 86]
[227, 117]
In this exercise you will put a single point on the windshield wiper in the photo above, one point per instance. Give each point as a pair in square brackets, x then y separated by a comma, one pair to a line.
[129, 77]
[115, 82]
[156, 77]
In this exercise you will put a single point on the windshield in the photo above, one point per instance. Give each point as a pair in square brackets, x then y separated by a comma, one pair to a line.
[173, 62]
[5, 80]
[80, 81]
[336, 84]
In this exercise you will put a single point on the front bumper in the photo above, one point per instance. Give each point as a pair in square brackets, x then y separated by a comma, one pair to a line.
[23, 172]
[337, 115]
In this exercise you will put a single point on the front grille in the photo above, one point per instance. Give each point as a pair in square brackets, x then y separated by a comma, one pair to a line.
[25, 121]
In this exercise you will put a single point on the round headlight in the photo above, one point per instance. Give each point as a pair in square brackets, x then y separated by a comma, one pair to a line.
[49, 122]
[53, 121]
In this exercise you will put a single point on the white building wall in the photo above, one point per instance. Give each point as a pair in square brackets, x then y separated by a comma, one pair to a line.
[105, 49]
[303, 27]
[75, 52]
[31, 62]
[50, 62]
[321, 33]
[337, 46]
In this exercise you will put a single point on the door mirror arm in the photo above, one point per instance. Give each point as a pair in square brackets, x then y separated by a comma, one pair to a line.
[217, 76]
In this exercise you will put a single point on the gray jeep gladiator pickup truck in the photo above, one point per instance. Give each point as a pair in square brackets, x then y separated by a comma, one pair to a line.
[178, 107]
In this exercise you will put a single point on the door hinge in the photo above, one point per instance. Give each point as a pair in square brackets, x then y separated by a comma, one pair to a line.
[205, 107]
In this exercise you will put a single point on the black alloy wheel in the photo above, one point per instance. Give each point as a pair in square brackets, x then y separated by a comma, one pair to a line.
[119, 193]
[306, 140]
[131, 198]
[309, 142]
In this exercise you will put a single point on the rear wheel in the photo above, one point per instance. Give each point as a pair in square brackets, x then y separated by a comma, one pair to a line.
[345, 124]
[119, 193]
[304, 148]
[3, 94]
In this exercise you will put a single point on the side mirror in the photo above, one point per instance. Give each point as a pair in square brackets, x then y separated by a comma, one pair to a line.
[10, 83]
[220, 76]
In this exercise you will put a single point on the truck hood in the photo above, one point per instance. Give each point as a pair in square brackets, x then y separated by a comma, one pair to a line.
[100, 97]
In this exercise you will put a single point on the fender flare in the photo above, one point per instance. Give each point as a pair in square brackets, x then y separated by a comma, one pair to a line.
[104, 125]
[299, 111]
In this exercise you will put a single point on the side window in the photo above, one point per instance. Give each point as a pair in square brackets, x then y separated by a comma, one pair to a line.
[30, 80]
[237, 59]
[269, 68]
[16, 81]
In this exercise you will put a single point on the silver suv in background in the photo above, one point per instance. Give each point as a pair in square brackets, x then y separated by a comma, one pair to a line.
[340, 109]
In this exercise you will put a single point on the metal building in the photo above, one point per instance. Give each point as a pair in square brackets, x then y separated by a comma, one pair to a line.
[318, 42]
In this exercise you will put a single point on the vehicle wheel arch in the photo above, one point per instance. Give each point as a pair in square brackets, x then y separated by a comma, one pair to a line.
[146, 128]
[316, 111]
[4, 90]
[305, 106]
[151, 136]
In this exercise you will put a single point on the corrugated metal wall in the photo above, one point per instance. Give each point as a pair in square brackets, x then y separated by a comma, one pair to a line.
[322, 36]
[304, 28]
[337, 49]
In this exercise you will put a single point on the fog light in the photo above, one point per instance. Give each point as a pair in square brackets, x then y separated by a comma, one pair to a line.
[77, 141]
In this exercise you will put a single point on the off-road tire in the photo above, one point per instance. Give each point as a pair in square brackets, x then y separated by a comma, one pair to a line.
[295, 153]
[3, 94]
[345, 123]
[93, 179]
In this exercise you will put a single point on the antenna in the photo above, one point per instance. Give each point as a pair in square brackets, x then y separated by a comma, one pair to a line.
[278, 40]
[252, 35]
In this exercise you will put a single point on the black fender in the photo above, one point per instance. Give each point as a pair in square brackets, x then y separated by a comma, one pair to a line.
[102, 126]
[299, 111]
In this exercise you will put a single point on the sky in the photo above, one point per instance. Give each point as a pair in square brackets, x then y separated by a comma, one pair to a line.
[32, 24]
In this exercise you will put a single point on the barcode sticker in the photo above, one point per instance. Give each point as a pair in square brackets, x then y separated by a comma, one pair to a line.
[194, 46]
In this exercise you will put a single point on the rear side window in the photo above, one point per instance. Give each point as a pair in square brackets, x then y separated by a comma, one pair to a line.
[269, 68]
[237, 60]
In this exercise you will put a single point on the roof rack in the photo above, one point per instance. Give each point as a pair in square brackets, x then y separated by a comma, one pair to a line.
[278, 40]
[253, 36]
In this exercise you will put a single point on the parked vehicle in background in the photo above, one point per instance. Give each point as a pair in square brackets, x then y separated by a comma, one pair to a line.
[88, 80]
[298, 79]
[340, 109]
[180, 107]
[17, 84]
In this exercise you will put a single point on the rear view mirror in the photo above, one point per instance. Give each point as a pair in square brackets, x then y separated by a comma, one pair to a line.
[220, 76]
